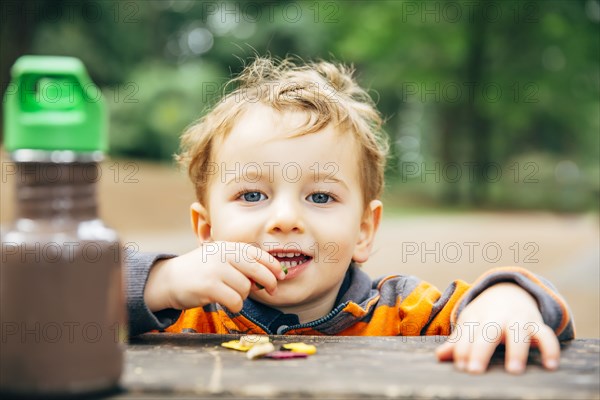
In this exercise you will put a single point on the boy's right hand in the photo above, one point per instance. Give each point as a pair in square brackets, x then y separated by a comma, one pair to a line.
[216, 272]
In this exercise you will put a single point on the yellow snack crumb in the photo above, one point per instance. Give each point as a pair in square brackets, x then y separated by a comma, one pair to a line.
[235, 345]
[300, 348]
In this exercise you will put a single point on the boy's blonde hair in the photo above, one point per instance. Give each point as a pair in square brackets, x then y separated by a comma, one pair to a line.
[326, 92]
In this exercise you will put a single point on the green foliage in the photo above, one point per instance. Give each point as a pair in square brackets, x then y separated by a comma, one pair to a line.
[154, 105]
[462, 81]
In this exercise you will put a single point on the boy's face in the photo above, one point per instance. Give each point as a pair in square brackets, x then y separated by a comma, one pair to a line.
[296, 195]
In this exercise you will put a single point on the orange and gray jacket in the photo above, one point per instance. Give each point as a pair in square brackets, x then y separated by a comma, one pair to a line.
[389, 306]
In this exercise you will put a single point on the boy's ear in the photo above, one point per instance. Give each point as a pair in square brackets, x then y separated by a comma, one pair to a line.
[200, 222]
[368, 228]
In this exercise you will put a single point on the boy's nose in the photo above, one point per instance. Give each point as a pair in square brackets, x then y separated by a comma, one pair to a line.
[285, 217]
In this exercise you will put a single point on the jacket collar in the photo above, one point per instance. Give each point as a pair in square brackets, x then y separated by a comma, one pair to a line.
[357, 288]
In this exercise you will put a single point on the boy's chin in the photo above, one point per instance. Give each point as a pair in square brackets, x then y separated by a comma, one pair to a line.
[282, 298]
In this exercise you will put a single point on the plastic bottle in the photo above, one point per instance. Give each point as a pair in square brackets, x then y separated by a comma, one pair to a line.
[62, 308]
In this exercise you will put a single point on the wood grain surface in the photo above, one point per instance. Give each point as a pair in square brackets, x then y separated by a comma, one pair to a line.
[196, 366]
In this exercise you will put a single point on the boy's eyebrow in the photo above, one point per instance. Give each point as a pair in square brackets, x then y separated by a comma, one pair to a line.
[327, 177]
[256, 177]
[315, 176]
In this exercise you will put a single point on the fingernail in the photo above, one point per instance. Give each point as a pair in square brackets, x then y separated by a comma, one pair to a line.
[282, 275]
[460, 365]
[515, 366]
[475, 366]
[552, 363]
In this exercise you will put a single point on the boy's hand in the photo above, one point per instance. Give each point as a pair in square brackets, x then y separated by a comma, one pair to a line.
[216, 272]
[503, 313]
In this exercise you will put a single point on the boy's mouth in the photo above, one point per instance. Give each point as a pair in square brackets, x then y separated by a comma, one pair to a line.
[290, 259]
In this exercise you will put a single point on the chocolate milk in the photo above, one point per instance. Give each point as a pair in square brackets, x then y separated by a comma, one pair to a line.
[61, 305]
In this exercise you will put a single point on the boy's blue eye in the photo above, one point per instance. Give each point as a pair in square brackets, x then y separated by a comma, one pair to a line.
[320, 198]
[253, 196]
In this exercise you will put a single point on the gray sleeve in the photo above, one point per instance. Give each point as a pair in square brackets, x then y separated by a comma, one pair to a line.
[554, 309]
[141, 319]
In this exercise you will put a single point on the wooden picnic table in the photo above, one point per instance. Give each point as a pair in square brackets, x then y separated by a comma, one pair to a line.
[163, 366]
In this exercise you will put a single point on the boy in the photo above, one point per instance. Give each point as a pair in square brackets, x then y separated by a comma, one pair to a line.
[288, 170]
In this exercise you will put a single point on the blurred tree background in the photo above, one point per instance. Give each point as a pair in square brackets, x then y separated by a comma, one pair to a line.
[489, 104]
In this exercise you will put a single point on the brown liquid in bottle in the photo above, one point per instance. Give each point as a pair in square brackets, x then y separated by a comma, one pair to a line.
[61, 303]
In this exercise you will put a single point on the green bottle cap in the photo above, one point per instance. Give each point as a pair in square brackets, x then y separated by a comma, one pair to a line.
[52, 104]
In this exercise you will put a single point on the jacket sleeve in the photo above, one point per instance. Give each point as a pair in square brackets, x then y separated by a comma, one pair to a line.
[141, 319]
[439, 312]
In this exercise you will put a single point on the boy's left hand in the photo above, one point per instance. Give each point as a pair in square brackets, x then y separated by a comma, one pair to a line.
[504, 313]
